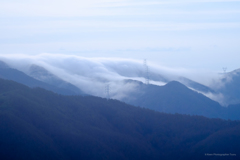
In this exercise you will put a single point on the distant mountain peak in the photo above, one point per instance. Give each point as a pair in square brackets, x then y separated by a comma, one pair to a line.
[176, 85]
[38, 68]
[40, 73]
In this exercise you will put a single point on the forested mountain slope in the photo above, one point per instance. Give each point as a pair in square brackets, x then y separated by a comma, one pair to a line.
[174, 97]
[39, 124]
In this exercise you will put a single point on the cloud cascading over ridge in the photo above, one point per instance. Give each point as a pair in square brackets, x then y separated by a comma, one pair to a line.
[92, 74]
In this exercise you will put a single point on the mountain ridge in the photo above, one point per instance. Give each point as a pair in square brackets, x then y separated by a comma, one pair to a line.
[50, 126]
[175, 97]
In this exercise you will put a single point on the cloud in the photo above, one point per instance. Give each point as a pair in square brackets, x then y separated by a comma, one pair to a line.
[89, 74]
[92, 74]
[219, 97]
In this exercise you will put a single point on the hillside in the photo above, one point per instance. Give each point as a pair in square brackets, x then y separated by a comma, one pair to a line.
[38, 124]
[174, 97]
[13, 74]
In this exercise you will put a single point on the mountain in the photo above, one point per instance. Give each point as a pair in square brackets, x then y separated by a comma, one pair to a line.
[174, 97]
[160, 77]
[15, 75]
[231, 87]
[187, 82]
[3, 65]
[38, 124]
[44, 75]
[233, 112]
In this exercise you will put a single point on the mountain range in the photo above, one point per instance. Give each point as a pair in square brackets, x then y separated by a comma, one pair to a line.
[39, 124]
[174, 97]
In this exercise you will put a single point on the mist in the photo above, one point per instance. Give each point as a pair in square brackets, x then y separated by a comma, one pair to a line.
[92, 74]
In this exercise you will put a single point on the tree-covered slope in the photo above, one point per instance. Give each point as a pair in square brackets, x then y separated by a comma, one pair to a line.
[174, 97]
[38, 124]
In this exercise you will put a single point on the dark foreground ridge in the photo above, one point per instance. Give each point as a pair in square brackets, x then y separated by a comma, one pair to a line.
[39, 124]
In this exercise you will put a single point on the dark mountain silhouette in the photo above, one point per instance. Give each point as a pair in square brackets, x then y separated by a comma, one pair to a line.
[174, 97]
[44, 75]
[39, 124]
[12, 74]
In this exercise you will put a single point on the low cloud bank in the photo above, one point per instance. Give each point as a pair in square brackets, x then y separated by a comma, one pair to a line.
[92, 74]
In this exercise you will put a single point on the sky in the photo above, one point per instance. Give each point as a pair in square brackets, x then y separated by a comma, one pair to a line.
[195, 34]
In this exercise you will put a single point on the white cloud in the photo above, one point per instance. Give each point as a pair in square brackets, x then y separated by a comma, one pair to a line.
[92, 74]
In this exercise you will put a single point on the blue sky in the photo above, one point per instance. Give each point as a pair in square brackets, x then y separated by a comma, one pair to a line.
[185, 33]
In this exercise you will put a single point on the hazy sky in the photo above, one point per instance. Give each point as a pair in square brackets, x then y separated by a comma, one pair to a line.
[176, 33]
